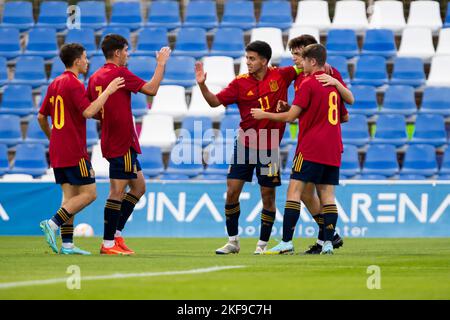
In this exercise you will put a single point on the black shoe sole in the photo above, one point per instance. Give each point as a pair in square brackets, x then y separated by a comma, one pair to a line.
[338, 244]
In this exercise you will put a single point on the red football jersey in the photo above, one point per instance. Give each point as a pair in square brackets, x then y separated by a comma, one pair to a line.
[319, 137]
[247, 92]
[118, 131]
[65, 101]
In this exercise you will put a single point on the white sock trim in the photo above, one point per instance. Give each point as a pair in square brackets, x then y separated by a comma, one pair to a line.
[320, 242]
[233, 238]
[68, 245]
[108, 243]
[118, 234]
[53, 225]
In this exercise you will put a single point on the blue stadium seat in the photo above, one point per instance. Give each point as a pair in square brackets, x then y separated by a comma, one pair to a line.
[213, 177]
[232, 109]
[201, 14]
[174, 177]
[420, 159]
[164, 14]
[186, 159]
[230, 123]
[191, 42]
[42, 42]
[126, 14]
[436, 100]
[123, 31]
[219, 158]
[4, 164]
[197, 130]
[447, 17]
[365, 101]
[370, 70]
[180, 71]
[53, 14]
[390, 128]
[30, 70]
[94, 14]
[9, 43]
[18, 100]
[287, 62]
[18, 14]
[151, 40]
[340, 63]
[35, 133]
[58, 68]
[3, 72]
[379, 42]
[381, 159]
[430, 129]
[408, 71]
[355, 131]
[399, 100]
[342, 42]
[139, 105]
[30, 159]
[228, 42]
[91, 132]
[276, 14]
[349, 162]
[444, 176]
[10, 133]
[142, 66]
[151, 161]
[371, 177]
[239, 14]
[445, 166]
[85, 36]
[95, 63]
[41, 96]
[404, 176]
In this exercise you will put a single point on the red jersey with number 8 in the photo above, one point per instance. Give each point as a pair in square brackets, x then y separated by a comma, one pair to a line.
[319, 137]
[65, 101]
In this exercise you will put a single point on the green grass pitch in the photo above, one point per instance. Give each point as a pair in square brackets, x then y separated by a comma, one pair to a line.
[409, 269]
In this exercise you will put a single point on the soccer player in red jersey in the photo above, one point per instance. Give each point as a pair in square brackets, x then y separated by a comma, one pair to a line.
[257, 144]
[331, 77]
[67, 104]
[319, 149]
[119, 140]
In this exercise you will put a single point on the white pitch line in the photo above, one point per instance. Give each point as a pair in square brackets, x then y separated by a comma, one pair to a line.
[7, 285]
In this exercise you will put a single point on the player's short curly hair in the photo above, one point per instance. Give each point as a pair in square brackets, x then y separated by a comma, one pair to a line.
[262, 48]
[112, 42]
[70, 52]
[317, 52]
[301, 41]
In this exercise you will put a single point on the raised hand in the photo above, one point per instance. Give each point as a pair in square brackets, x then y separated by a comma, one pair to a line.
[200, 74]
[163, 55]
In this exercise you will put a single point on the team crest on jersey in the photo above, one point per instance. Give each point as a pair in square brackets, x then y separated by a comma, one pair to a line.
[273, 85]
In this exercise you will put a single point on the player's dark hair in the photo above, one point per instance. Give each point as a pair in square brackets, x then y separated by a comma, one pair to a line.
[111, 43]
[261, 48]
[70, 52]
[301, 41]
[315, 51]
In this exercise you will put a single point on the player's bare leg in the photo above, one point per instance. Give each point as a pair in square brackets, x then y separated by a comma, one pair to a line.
[232, 212]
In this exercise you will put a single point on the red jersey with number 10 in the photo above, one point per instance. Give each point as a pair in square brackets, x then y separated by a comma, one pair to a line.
[65, 102]
[248, 92]
[319, 137]
[118, 131]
